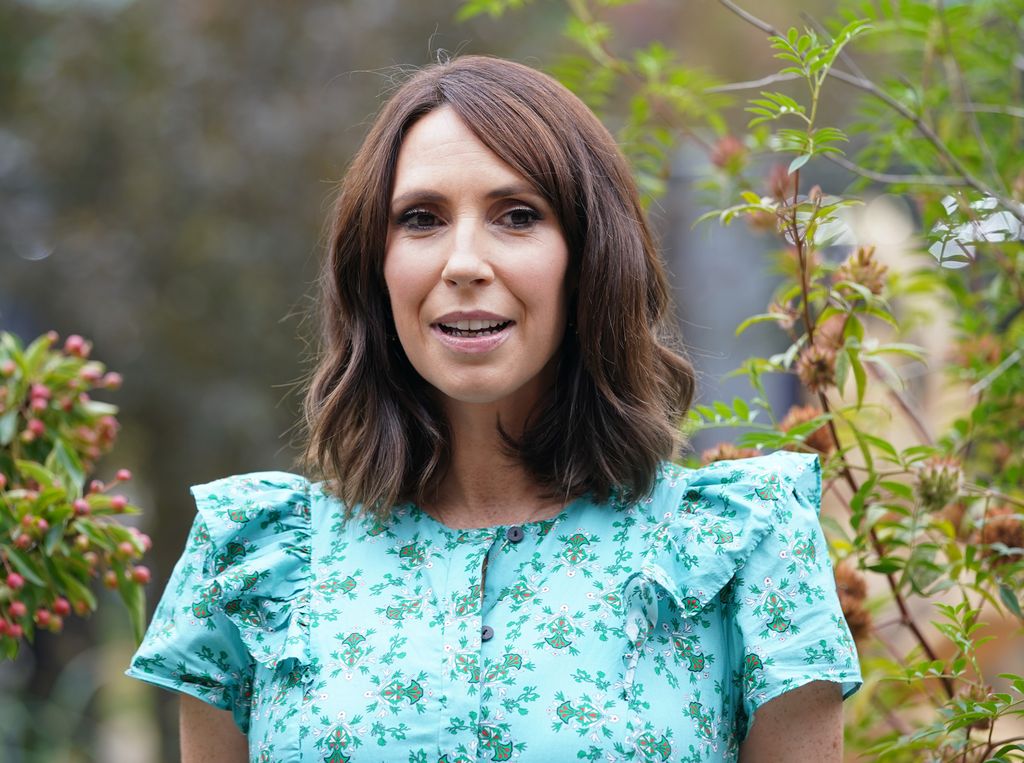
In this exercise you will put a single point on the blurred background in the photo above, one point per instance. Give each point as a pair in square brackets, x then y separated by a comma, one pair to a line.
[166, 171]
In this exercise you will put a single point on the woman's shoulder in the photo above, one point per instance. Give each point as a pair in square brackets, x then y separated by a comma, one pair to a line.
[749, 490]
[702, 526]
[253, 501]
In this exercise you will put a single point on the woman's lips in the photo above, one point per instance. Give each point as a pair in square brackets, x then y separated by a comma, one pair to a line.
[473, 344]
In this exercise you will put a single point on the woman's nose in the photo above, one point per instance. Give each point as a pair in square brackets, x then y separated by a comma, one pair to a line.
[467, 256]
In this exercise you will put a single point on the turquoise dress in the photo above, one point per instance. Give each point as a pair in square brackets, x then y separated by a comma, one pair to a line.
[650, 631]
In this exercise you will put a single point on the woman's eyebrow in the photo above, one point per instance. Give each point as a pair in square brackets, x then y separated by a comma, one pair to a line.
[433, 197]
[430, 197]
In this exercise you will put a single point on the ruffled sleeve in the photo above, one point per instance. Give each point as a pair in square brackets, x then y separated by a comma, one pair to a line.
[748, 531]
[238, 595]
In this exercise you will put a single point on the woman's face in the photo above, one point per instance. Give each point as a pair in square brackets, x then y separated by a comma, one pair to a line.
[475, 267]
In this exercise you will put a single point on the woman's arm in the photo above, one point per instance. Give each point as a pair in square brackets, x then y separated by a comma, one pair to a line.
[209, 735]
[801, 725]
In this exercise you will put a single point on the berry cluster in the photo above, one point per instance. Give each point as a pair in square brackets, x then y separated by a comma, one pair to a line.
[56, 535]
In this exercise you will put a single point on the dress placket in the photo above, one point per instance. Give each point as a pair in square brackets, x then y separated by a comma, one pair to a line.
[459, 732]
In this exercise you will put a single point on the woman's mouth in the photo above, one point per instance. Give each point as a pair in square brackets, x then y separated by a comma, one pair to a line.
[473, 328]
[473, 336]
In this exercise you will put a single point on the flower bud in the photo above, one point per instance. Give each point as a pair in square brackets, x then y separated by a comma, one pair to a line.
[110, 579]
[15, 631]
[17, 609]
[37, 427]
[81, 607]
[82, 541]
[91, 558]
[38, 404]
[91, 373]
[15, 581]
[3, 480]
[126, 548]
[8, 367]
[96, 486]
[42, 617]
[40, 391]
[62, 606]
[816, 368]
[74, 345]
[123, 475]
[112, 380]
[42, 525]
[141, 574]
[27, 435]
[939, 481]
[23, 542]
[82, 509]
[118, 503]
[56, 624]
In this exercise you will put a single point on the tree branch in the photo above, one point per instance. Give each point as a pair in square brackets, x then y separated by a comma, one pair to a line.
[885, 177]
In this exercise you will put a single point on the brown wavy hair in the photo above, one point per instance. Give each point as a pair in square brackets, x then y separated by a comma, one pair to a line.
[373, 431]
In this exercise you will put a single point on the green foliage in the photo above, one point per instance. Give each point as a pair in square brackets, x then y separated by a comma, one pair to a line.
[56, 537]
[933, 503]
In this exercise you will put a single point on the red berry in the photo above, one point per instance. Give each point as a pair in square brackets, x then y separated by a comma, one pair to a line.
[123, 475]
[36, 427]
[141, 574]
[15, 581]
[74, 345]
[15, 631]
[110, 579]
[17, 609]
[113, 380]
[62, 606]
[82, 508]
[118, 502]
[42, 617]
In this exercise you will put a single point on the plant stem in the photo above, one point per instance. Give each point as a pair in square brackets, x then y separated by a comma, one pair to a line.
[865, 84]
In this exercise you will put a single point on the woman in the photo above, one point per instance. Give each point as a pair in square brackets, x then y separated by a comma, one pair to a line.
[500, 562]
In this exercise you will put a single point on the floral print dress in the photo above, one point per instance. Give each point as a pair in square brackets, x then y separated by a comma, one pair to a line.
[649, 631]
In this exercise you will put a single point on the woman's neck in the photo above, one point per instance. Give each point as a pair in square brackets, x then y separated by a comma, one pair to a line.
[484, 485]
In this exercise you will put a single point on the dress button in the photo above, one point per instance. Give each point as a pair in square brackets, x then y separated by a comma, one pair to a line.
[486, 633]
[515, 534]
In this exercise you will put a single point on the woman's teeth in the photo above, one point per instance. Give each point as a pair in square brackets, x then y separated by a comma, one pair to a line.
[473, 328]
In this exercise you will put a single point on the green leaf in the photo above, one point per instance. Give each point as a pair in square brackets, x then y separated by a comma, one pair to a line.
[8, 426]
[64, 462]
[1009, 598]
[740, 406]
[135, 601]
[799, 162]
[26, 566]
[37, 472]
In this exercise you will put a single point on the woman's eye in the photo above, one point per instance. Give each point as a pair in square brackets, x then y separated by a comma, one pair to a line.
[521, 217]
[418, 220]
